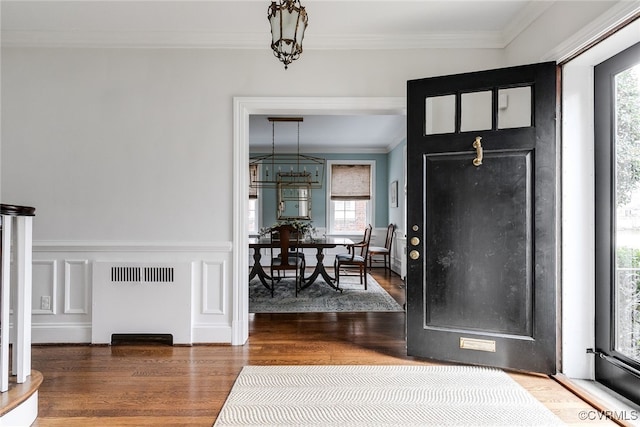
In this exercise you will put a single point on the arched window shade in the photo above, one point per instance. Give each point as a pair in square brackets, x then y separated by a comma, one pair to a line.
[253, 188]
[350, 182]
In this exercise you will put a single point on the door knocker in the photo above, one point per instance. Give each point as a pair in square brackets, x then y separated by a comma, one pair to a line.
[478, 146]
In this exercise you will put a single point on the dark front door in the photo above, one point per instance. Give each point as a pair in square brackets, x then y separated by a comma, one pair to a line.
[482, 218]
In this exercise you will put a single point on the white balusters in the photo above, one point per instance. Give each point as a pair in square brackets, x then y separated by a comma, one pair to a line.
[17, 229]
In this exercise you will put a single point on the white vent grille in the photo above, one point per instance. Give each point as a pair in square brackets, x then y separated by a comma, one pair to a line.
[142, 274]
[136, 298]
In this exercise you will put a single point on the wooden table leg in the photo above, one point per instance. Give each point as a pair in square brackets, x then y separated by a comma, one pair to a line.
[257, 269]
[320, 271]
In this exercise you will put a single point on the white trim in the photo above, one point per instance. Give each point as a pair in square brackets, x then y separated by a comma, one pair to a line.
[61, 332]
[243, 107]
[526, 17]
[207, 333]
[578, 201]
[609, 20]
[235, 41]
[207, 266]
[53, 281]
[119, 246]
[68, 286]
[24, 414]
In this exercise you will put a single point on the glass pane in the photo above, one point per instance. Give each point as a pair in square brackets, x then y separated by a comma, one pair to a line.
[476, 111]
[627, 237]
[440, 114]
[253, 217]
[350, 216]
[514, 107]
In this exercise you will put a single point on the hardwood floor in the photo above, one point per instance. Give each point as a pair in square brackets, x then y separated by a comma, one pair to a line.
[156, 385]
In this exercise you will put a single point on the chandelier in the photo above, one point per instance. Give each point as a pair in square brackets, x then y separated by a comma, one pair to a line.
[269, 170]
[288, 20]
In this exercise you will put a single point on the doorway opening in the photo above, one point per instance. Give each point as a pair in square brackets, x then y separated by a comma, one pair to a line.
[243, 108]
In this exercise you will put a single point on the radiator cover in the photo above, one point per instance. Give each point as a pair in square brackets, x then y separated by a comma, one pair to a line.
[141, 298]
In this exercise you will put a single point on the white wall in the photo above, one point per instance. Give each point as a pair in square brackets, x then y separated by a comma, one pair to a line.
[127, 156]
[135, 144]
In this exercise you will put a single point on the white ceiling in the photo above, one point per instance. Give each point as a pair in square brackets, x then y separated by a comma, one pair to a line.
[328, 133]
[242, 24]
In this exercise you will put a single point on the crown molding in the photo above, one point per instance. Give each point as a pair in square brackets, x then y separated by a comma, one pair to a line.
[213, 40]
[526, 17]
[611, 20]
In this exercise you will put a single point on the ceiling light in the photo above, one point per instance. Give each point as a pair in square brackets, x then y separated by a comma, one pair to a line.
[288, 20]
[269, 170]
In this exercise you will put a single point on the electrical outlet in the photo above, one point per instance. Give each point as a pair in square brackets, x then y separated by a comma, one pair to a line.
[45, 303]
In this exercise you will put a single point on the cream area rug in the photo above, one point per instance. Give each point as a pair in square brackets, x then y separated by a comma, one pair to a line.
[371, 396]
[320, 297]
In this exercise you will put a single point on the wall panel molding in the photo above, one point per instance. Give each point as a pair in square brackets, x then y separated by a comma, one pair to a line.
[73, 264]
[76, 286]
[212, 288]
[45, 284]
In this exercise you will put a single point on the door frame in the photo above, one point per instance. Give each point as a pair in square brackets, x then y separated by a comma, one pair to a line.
[243, 107]
[578, 203]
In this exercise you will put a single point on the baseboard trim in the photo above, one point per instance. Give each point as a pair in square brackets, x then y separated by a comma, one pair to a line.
[211, 334]
[60, 333]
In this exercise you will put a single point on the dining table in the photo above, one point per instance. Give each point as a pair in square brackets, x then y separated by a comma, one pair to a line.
[319, 244]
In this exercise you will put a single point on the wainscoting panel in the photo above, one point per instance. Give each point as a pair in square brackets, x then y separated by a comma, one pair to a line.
[213, 292]
[44, 286]
[76, 286]
[177, 288]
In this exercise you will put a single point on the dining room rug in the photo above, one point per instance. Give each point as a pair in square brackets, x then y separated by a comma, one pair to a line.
[348, 395]
[320, 297]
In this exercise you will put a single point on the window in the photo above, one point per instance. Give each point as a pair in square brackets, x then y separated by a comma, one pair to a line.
[350, 198]
[254, 223]
[617, 162]
[254, 205]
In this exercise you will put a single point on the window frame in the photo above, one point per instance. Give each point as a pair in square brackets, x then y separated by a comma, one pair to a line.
[371, 203]
[612, 369]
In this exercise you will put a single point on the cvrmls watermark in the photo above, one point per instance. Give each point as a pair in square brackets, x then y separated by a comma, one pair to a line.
[593, 415]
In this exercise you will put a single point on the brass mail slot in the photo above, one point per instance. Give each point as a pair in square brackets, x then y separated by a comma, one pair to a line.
[477, 344]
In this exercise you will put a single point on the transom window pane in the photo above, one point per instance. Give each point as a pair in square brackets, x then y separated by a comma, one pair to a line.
[476, 110]
[514, 107]
[440, 114]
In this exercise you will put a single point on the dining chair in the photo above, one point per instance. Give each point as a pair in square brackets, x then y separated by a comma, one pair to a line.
[355, 258]
[286, 255]
[384, 251]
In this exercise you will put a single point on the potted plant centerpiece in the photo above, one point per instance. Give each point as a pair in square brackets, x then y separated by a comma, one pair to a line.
[305, 229]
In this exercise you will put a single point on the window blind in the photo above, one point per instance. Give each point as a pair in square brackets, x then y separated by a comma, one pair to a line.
[350, 182]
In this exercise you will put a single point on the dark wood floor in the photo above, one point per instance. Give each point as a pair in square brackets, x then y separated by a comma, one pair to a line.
[154, 385]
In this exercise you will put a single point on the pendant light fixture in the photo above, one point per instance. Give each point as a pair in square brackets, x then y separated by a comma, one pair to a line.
[288, 20]
[269, 170]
